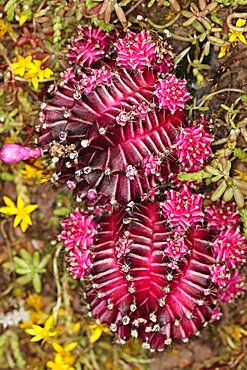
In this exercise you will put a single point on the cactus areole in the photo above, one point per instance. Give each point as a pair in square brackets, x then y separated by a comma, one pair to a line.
[154, 265]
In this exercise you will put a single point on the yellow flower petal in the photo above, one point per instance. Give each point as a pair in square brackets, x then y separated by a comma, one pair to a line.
[8, 211]
[17, 220]
[23, 18]
[240, 22]
[57, 347]
[35, 82]
[49, 323]
[37, 338]
[20, 202]
[232, 38]
[242, 38]
[24, 226]
[9, 202]
[69, 347]
[31, 208]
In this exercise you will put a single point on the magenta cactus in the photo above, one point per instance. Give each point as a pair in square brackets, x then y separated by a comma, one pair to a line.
[103, 125]
[155, 263]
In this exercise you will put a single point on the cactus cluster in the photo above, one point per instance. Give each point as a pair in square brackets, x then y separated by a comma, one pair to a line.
[156, 261]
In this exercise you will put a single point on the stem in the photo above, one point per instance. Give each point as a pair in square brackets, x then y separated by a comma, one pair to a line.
[233, 16]
[57, 281]
[133, 7]
[218, 92]
[163, 26]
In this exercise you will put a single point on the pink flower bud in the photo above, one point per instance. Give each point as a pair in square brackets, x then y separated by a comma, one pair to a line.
[14, 153]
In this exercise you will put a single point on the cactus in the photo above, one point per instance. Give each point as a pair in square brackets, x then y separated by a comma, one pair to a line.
[105, 124]
[155, 263]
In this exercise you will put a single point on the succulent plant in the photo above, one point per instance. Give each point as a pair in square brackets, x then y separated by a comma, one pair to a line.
[105, 124]
[154, 260]
[150, 278]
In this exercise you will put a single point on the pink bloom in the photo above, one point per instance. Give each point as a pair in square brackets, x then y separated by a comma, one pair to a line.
[192, 147]
[123, 245]
[221, 215]
[136, 51]
[230, 248]
[79, 262]
[172, 93]
[183, 208]
[88, 46]
[176, 248]
[14, 153]
[165, 64]
[235, 287]
[220, 275]
[216, 314]
[78, 230]
[151, 165]
[98, 77]
[68, 75]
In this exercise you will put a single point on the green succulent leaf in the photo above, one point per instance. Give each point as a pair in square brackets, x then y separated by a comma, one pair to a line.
[36, 258]
[26, 256]
[22, 271]
[219, 191]
[37, 283]
[25, 279]
[44, 261]
[18, 262]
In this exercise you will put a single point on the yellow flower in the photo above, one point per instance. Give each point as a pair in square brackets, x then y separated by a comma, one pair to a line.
[5, 27]
[20, 210]
[34, 173]
[237, 35]
[34, 301]
[36, 317]
[59, 364]
[36, 73]
[21, 65]
[42, 333]
[223, 51]
[27, 67]
[23, 18]
[95, 331]
[242, 175]
[65, 352]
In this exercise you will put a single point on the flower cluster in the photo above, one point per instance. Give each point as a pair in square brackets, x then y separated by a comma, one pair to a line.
[183, 209]
[234, 37]
[192, 147]
[30, 68]
[172, 93]
[78, 233]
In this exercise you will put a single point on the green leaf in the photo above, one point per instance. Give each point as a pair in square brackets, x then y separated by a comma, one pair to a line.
[36, 258]
[241, 154]
[219, 191]
[24, 279]
[22, 271]
[18, 262]
[37, 283]
[26, 256]
[44, 261]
